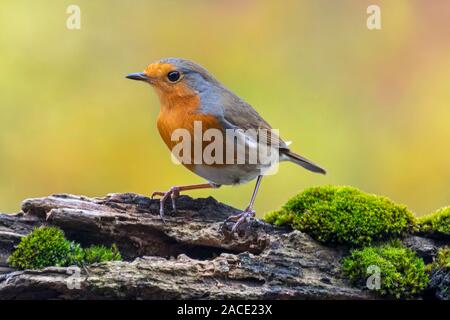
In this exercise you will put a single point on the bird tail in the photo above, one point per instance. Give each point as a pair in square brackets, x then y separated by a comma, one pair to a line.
[305, 163]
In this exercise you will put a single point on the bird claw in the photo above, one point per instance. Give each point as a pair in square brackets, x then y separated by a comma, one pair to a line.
[173, 193]
[239, 219]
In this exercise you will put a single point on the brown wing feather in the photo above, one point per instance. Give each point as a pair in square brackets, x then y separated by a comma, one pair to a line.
[241, 115]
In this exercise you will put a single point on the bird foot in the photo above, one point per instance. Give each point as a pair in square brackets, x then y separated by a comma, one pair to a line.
[173, 193]
[242, 221]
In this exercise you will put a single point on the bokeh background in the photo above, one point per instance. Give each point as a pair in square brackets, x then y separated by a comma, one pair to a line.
[373, 107]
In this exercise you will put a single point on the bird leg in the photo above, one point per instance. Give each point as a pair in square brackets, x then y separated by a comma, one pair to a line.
[248, 213]
[174, 193]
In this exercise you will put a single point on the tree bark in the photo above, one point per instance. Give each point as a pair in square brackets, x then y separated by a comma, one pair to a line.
[188, 257]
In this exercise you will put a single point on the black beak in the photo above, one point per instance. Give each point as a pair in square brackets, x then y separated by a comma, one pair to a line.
[141, 76]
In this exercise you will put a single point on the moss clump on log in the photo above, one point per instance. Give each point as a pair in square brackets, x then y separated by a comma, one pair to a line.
[437, 223]
[401, 272]
[47, 246]
[344, 215]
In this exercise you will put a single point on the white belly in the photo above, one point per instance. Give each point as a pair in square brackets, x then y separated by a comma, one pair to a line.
[231, 174]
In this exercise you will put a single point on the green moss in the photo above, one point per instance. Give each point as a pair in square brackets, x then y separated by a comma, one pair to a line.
[443, 258]
[281, 217]
[441, 261]
[97, 254]
[402, 273]
[47, 246]
[335, 214]
[437, 222]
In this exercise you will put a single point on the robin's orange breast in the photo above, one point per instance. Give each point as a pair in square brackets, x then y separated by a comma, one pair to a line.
[179, 110]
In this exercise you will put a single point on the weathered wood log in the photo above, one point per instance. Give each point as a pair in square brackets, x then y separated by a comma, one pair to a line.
[188, 257]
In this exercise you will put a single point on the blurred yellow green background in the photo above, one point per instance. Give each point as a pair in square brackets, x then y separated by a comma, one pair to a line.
[373, 107]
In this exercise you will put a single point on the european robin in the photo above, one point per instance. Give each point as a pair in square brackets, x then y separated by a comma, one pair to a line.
[189, 94]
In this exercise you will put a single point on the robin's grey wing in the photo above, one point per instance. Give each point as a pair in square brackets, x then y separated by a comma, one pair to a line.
[239, 114]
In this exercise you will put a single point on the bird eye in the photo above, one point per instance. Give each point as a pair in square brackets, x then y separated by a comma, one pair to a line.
[173, 76]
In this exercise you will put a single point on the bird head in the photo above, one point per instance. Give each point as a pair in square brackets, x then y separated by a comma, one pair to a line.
[176, 77]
